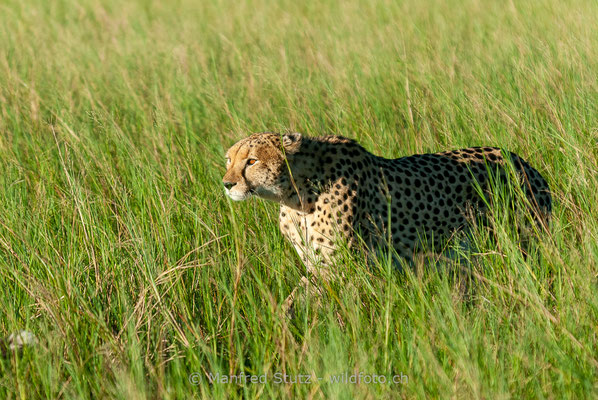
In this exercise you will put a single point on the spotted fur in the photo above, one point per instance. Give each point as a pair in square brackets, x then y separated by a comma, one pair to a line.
[331, 186]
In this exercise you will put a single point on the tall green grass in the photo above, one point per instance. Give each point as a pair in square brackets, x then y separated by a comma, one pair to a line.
[119, 250]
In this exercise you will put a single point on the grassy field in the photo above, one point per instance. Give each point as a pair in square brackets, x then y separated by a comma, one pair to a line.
[119, 250]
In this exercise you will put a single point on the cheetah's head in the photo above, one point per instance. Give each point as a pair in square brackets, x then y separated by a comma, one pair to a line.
[257, 166]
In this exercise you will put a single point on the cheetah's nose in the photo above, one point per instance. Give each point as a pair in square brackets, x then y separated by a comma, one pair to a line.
[228, 185]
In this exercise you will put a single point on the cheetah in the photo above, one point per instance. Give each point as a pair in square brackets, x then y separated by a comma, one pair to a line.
[330, 187]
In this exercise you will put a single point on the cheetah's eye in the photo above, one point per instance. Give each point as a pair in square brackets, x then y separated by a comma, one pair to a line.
[251, 161]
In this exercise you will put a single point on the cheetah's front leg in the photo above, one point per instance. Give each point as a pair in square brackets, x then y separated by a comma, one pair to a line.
[289, 303]
[306, 288]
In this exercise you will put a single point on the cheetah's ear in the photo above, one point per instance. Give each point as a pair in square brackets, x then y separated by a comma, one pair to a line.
[291, 142]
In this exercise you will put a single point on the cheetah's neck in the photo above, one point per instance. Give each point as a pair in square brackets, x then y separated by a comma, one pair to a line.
[320, 164]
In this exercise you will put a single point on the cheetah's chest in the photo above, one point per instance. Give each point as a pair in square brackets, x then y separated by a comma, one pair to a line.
[314, 234]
